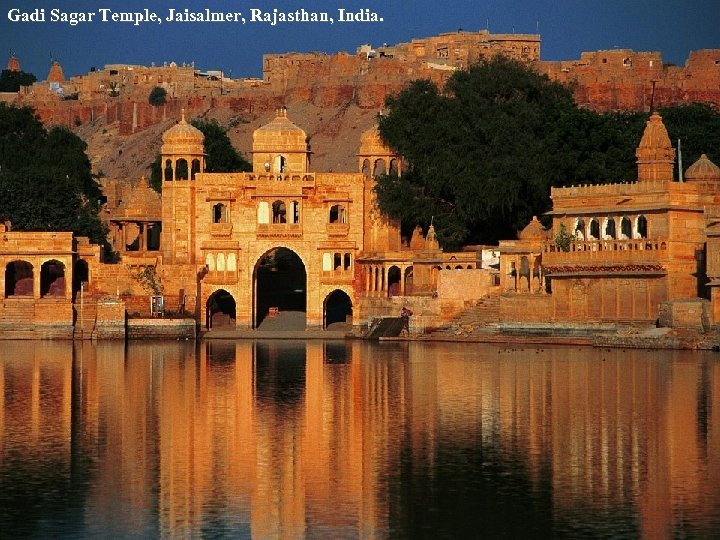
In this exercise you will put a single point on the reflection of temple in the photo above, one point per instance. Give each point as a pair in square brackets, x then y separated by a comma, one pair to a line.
[287, 440]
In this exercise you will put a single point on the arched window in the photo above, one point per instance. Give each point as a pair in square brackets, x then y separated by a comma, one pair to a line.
[609, 229]
[346, 261]
[263, 213]
[579, 229]
[641, 227]
[220, 213]
[393, 281]
[379, 169]
[295, 212]
[327, 262]
[221, 262]
[19, 279]
[231, 262]
[279, 212]
[210, 262]
[280, 164]
[195, 168]
[594, 230]
[366, 167]
[337, 261]
[625, 228]
[394, 167]
[181, 169]
[168, 170]
[337, 214]
[52, 279]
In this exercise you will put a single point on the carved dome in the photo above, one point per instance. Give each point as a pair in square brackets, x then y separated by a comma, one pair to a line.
[534, 231]
[183, 138]
[655, 134]
[703, 169]
[655, 154]
[56, 73]
[280, 135]
[371, 144]
[143, 204]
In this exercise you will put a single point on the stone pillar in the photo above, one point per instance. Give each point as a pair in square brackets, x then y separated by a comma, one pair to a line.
[142, 241]
[37, 272]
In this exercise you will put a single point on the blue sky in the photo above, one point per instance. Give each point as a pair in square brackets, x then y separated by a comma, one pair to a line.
[567, 27]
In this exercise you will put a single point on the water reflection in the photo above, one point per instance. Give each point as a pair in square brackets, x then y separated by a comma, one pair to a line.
[274, 439]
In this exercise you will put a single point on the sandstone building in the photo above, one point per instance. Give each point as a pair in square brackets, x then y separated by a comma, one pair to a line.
[240, 250]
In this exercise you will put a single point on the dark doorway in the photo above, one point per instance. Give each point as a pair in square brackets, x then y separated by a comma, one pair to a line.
[280, 291]
[19, 279]
[338, 307]
[52, 279]
[221, 310]
[81, 274]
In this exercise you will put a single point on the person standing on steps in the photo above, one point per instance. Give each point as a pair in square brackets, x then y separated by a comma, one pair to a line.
[405, 314]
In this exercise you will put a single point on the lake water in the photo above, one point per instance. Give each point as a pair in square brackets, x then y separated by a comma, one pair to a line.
[336, 440]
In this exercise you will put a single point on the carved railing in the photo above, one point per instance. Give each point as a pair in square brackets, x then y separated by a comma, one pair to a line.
[279, 230]
[641, 250]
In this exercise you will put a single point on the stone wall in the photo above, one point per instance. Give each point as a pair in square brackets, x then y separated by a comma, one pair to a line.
[686, 314]
[531, 308]
[161, 329]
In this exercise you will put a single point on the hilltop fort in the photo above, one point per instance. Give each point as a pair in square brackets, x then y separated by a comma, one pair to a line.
[335, 96]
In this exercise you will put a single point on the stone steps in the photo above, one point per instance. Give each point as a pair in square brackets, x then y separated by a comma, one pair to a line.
[475, 319]
[86, 325]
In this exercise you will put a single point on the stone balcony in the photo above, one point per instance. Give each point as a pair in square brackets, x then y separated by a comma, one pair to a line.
[642, 255]
[221, 277]
[221, 229]
[279, 230]
[337, 229]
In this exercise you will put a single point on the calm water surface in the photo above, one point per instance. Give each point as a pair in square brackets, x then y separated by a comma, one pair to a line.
[274, 439]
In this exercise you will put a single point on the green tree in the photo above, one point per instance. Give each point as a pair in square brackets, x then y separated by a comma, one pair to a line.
[697, 126]
[221, 154]
[11, 81]
[158, 96]
[45, 178]
[483, 153]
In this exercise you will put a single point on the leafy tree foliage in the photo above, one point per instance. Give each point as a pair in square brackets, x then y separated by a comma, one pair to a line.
[697, 126]
[45, 178]
[483, 153]
[158, 96]
[221, 155]
[11, 81]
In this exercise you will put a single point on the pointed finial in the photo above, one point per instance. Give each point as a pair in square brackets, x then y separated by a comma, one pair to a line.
[182, 116]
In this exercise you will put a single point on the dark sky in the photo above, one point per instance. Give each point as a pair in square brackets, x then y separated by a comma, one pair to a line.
[567, 27]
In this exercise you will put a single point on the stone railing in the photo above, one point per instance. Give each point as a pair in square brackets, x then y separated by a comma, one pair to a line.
[610, 251]
[305, 178]
[279, 230]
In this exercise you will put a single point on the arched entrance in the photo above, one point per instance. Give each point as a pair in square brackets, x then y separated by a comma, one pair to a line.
[81, 274]
[19, 279]
[220, 310]
[336, 309]
[52, 279]
[280, 286]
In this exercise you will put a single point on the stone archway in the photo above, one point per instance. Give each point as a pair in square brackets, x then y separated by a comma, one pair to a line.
[280, 291]
[221, 310]
[336, 309]
[19, 279]
[52, 279]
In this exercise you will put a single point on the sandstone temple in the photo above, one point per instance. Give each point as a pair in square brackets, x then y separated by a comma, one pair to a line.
[239, 250]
